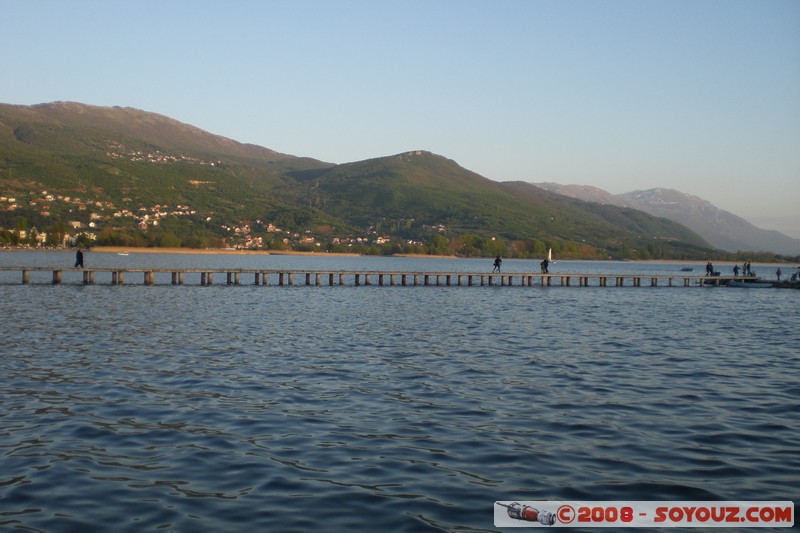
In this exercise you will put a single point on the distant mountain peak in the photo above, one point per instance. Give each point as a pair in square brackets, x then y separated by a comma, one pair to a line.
[415, 153]
[663, 196]
[587, 193]
[115, 121]
[721, 228]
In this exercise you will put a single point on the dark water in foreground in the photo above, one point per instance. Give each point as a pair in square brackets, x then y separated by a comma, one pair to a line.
[398, 408]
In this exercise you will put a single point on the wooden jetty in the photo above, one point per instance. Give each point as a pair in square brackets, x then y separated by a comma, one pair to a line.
[206, 277]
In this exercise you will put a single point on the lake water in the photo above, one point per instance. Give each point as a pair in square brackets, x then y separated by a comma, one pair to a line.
[398, 408]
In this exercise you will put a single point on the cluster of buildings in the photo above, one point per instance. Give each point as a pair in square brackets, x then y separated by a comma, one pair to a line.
[81, 216]
[82, 219]
[119, 151]
[74, 220]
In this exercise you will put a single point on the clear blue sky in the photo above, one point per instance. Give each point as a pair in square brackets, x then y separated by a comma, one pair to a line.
[702, 96]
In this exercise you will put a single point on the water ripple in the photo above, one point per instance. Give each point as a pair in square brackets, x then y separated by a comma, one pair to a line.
[219, 408]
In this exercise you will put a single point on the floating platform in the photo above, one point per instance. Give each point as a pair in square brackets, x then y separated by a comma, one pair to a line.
[205, 277]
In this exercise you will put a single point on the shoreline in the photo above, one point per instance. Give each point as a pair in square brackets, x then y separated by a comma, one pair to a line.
[228, 251]
[209, 251]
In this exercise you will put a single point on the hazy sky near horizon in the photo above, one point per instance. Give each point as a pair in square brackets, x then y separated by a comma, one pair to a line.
[702, 96]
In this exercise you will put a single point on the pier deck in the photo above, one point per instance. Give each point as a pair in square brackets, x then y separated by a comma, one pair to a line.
[206, 276]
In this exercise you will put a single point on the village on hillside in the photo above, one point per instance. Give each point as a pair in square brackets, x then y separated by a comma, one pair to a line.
[87, 218]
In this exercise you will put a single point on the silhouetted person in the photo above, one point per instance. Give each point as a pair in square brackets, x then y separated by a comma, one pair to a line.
[736, 270]
[709, 269]
[79, 258]
[544, 264]
[497, 263]
[778, 273]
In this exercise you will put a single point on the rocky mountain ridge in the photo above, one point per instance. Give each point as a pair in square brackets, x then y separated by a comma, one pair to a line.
[722, 229]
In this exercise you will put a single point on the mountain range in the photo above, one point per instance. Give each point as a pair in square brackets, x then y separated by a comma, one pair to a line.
[722, 229]
[124, 176]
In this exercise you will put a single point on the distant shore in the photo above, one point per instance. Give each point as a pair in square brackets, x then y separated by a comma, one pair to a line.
[209, 251]
[231, 251]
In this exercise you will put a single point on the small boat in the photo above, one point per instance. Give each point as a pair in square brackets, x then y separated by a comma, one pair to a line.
[122, 253]
[687, 269]
[756, 283]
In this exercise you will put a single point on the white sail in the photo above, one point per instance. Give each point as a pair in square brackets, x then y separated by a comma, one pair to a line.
[550, 255]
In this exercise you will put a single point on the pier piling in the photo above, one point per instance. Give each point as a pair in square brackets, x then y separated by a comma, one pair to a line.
[381, 279]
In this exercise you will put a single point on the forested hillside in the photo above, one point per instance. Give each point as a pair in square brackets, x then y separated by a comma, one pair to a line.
[78, 174]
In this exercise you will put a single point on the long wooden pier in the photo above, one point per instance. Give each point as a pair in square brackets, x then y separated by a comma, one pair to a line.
[205, 277]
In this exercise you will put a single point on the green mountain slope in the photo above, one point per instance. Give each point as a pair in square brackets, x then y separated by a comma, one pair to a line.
[124, 175]
[431, 190]
[133, 160]
[69, 127]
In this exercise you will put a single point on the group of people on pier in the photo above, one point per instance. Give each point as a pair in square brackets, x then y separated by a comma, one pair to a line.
[544, 265]
[746, 270]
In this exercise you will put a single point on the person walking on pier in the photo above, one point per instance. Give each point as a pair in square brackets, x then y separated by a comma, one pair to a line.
[79, 258]
[778, 273]
[544, 264]
[709, 269]
[736, 270]
[497, 263]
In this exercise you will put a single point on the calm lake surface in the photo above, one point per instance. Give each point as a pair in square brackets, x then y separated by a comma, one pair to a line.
[399, 408]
